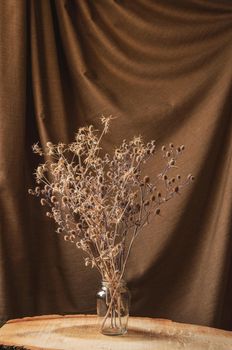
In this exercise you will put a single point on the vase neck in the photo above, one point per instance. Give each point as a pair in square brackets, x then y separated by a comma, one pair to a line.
[108, 284]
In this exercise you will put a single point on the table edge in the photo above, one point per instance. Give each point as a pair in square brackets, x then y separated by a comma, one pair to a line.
[201, 329]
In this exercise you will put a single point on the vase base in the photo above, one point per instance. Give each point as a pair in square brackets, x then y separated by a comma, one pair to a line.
[113, 332]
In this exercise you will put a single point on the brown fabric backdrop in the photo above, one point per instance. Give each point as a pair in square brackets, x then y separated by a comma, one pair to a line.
[164, 68]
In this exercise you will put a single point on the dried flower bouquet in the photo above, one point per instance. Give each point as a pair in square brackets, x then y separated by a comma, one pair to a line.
[101, 202]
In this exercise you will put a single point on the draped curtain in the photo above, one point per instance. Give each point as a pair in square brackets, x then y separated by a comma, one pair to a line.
[164, 69]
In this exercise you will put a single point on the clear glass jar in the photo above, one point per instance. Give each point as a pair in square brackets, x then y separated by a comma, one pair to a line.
[113, 303]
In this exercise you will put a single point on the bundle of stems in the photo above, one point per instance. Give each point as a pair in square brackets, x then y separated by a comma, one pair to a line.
[101, 202]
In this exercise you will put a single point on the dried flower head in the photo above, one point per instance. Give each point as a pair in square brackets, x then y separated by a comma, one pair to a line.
[100, 201]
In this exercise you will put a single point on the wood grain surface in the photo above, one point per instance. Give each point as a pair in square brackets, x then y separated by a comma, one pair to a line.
[82, 332]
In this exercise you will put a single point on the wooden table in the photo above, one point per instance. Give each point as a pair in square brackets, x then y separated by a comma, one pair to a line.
[82, 332]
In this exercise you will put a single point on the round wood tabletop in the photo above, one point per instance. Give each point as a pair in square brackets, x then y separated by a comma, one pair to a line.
[82, 332]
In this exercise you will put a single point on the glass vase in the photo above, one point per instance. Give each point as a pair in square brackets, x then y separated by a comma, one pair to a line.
[113, 303]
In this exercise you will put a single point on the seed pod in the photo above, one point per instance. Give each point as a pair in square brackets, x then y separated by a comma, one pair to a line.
[138, 207]
[146, 179]
[102, 188]
[135, 150]
[53, 199]
[168, 154]
[146, 203]
[190, 177]
[165, 177]
[30, 191]
[64, 200]
[182, 147]
[176, 189]
[172, 161]
[171, 145]
[178, 177]
[159, 194]
[153, 198]
[59, 230]
[43, 202]
[163, 148]
[157, 211]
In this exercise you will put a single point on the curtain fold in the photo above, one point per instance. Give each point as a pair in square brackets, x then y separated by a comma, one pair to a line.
[164, 69]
